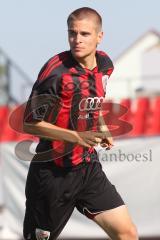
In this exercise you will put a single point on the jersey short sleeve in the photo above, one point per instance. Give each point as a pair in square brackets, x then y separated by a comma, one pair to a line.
[43, 101]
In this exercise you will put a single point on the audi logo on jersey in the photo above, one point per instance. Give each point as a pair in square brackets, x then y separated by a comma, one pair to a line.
[91, 103]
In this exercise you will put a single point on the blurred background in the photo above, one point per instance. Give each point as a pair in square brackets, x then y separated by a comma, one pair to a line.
[33, 31]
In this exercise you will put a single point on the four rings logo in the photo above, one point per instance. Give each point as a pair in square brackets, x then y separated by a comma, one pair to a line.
[91, 103]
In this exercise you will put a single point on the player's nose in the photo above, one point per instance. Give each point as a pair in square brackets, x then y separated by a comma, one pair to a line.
[77, 38]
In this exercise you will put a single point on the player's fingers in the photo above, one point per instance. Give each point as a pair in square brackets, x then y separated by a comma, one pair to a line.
[92, 143]
[104, 145]
[98, 140]
[93, 138]
[88, 143]
[99, 135]
[84, 144]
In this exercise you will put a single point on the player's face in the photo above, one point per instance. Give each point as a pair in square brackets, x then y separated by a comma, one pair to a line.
[83, 37]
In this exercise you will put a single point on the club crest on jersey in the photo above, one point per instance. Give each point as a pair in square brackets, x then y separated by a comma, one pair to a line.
[42, 234]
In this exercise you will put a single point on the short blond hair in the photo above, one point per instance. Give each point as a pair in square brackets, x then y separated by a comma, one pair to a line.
[83, 13]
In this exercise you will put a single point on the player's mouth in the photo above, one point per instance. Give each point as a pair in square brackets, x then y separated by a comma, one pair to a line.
[77, 49]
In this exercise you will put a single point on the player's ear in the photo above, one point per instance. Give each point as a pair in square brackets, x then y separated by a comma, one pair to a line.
[100, 36]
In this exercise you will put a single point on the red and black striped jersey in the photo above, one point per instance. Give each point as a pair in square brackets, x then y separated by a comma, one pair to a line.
[69, 96]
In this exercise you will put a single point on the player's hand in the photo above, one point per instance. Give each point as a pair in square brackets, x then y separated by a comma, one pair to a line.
[89, 138]
[107, 143]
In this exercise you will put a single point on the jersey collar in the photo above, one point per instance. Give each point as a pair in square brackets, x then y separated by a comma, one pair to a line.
[103, 64]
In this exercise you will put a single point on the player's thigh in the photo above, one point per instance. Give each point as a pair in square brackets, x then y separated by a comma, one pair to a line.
[49, 200]
[99, 194]
[115, 221]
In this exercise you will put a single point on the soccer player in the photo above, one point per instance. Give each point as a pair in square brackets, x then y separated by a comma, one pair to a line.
[63, 111]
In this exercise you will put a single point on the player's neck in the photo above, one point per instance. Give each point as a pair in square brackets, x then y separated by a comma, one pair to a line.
[89, 62]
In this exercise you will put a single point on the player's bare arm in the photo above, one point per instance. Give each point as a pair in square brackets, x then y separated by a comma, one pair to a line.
[50, 131]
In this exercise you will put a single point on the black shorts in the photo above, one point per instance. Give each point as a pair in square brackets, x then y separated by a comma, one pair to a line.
[52, 193]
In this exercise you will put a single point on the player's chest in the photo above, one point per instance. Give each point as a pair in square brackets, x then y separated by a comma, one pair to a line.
[86, 85]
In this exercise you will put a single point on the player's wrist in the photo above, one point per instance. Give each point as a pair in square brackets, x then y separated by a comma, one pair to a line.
[71, 136]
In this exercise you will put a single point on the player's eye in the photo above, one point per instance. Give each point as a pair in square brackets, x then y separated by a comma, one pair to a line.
[85, 34]
[71, 33]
